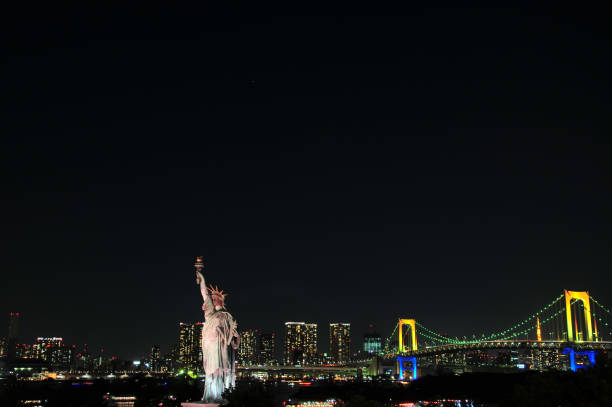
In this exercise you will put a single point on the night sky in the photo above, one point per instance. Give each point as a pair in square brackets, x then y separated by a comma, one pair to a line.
[449, 165]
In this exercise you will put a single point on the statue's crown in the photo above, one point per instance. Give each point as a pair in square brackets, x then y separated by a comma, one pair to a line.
[215, 291]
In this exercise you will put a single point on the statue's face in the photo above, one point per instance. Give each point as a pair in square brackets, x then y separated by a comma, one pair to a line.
[218, 302]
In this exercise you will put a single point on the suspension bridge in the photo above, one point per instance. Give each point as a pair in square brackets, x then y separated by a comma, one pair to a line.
[566, 333]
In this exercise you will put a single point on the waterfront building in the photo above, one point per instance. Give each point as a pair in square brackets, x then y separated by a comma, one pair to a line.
[248, 349]
[372, 342]
[340, 341]
[267, 349]
[155, 359]
[190, 346]
[300, 343]
[23, 351]
[53, 351]
[47, 348]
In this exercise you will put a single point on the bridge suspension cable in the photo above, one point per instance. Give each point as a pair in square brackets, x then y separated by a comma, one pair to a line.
[602, 318]
[517, 329]
[388, 348]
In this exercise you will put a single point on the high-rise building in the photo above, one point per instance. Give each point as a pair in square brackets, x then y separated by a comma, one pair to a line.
[23, 351]
[372, 341]
[13, 332]
[46, 348]
[170, 361]
[267, 349]
[312, 340]
[13, 325]
[2, 347]
[53, 351]
[300, 343]
[155, 359]
[248, 350]
[82, 360]
[190, 345]
[340, 341]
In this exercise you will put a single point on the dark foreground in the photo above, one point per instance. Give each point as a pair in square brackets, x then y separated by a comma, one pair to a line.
[591, 387]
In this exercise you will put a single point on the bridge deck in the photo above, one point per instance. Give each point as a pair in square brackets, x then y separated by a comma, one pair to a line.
[517, 344]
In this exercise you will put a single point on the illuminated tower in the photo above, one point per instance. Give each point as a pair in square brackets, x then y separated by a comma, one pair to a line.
[247, 351]
[340, 341]
[190, 345]
[311, 344]
[300, 343]
[584, 297]
[294, 343]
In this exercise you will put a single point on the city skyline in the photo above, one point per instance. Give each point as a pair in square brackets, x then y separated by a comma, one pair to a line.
[262, 344]
[321, 344]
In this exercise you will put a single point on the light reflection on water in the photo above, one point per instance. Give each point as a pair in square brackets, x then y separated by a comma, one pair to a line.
[124, 401]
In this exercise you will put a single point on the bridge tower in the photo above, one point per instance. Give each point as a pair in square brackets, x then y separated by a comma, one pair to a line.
[412, 324]
[579, 296]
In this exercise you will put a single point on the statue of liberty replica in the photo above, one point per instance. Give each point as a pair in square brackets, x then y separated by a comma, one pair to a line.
[220, 341]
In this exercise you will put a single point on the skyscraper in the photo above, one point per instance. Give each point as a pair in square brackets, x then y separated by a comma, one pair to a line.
[190, 345]
[267, 349]
[312, 340]
[248, 350]
[300, 343]
[340, 341]
[11, 340]
[155, 358]
[53, 351]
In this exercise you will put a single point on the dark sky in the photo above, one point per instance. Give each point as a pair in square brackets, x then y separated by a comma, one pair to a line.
[447, 164]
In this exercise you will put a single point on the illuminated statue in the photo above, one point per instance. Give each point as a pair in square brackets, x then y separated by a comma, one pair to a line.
[220, 341]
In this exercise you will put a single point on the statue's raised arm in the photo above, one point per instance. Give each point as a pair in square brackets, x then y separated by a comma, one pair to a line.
[200, 280]
[207, 306]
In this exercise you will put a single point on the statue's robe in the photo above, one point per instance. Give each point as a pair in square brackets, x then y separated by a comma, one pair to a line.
[219, 343]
